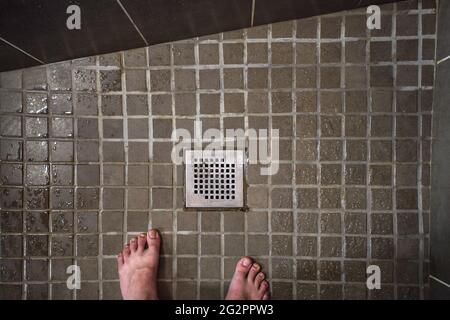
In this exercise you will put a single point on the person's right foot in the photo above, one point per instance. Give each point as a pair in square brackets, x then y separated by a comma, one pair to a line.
[248, 282]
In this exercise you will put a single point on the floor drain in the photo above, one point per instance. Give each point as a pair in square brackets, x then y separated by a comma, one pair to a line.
[214, 179]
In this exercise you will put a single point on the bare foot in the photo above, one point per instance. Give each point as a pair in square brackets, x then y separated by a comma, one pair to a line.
[138, 267]
[248, 282]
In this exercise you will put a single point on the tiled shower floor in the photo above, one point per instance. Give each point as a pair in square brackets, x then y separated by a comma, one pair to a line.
[85, 160]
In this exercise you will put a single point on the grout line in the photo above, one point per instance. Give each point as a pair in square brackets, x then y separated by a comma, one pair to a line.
[101, 163]
[132, 22]
[269, 190]
[394, 148]
[294, 165]
[419, 167]
[23, 51]
[318, 157]
[343, 187]
[175, 212]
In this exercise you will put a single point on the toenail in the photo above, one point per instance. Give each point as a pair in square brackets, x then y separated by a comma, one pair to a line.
[133, 240]
[153, 234]
[142, 235]
[261, 275]
[256, 266]
[246, 262]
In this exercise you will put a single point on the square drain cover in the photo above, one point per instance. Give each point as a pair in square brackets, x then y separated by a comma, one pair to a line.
[214, 179]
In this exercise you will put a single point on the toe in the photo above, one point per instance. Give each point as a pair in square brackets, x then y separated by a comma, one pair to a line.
[126, 253]
[153, 241]
[242, 267]
[259, 278]
[266, 296]
[141, 241]
[133, 245]
[253, 271]
[263, 287]
[120, 261]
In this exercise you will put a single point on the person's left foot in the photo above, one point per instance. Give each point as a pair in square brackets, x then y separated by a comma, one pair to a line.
[138, 267]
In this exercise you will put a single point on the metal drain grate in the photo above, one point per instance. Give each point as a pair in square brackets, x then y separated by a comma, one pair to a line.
[214, 179]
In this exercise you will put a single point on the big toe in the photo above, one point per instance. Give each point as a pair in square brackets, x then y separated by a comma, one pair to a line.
[243, 267]
[153, 242]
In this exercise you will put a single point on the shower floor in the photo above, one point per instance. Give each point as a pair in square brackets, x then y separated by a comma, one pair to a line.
[86, 160]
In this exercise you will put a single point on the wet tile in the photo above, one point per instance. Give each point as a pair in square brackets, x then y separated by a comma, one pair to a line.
[233, 78]
[185, 80]
[110, 80]
[330, 223]
[87, 245]
[113, 198]
[307, 246]
[160, 80]
[60, 103]
[136, 105]
[112, 221]
[11, 174]
[60, 151]
[11, 270]
[329, 270]
[36, 103]
[62, 174]
[62, 127]
[87, 198]
[11, 126]
[11, 198]
[87, 222]
[330, 198]
[10, 101]
[37, 198]
[62, 245]
[11, 222]
[11, 246]
[37, 175]
[138, 198]
[138, 152]
[37, 245]
[135, 58]
[208, 54]
[36, 127]
[355, 198]
[112, 104]
[209, 79]
[257, 245]
[307, 291]
[234, 245]
[37, 270]
[37, 222]
[87, 151]
[113, 152]
[138, 128]
[88, 175]
[281, 245]
[330, 246]
[62, 198]
[112, 244]
[136, 80]
[355, 247]
[84, 80]
[137, 221]
[382, 248]
[187, 244]
[87, 128]
[162, 198]
[62, 222]
[159, 55]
